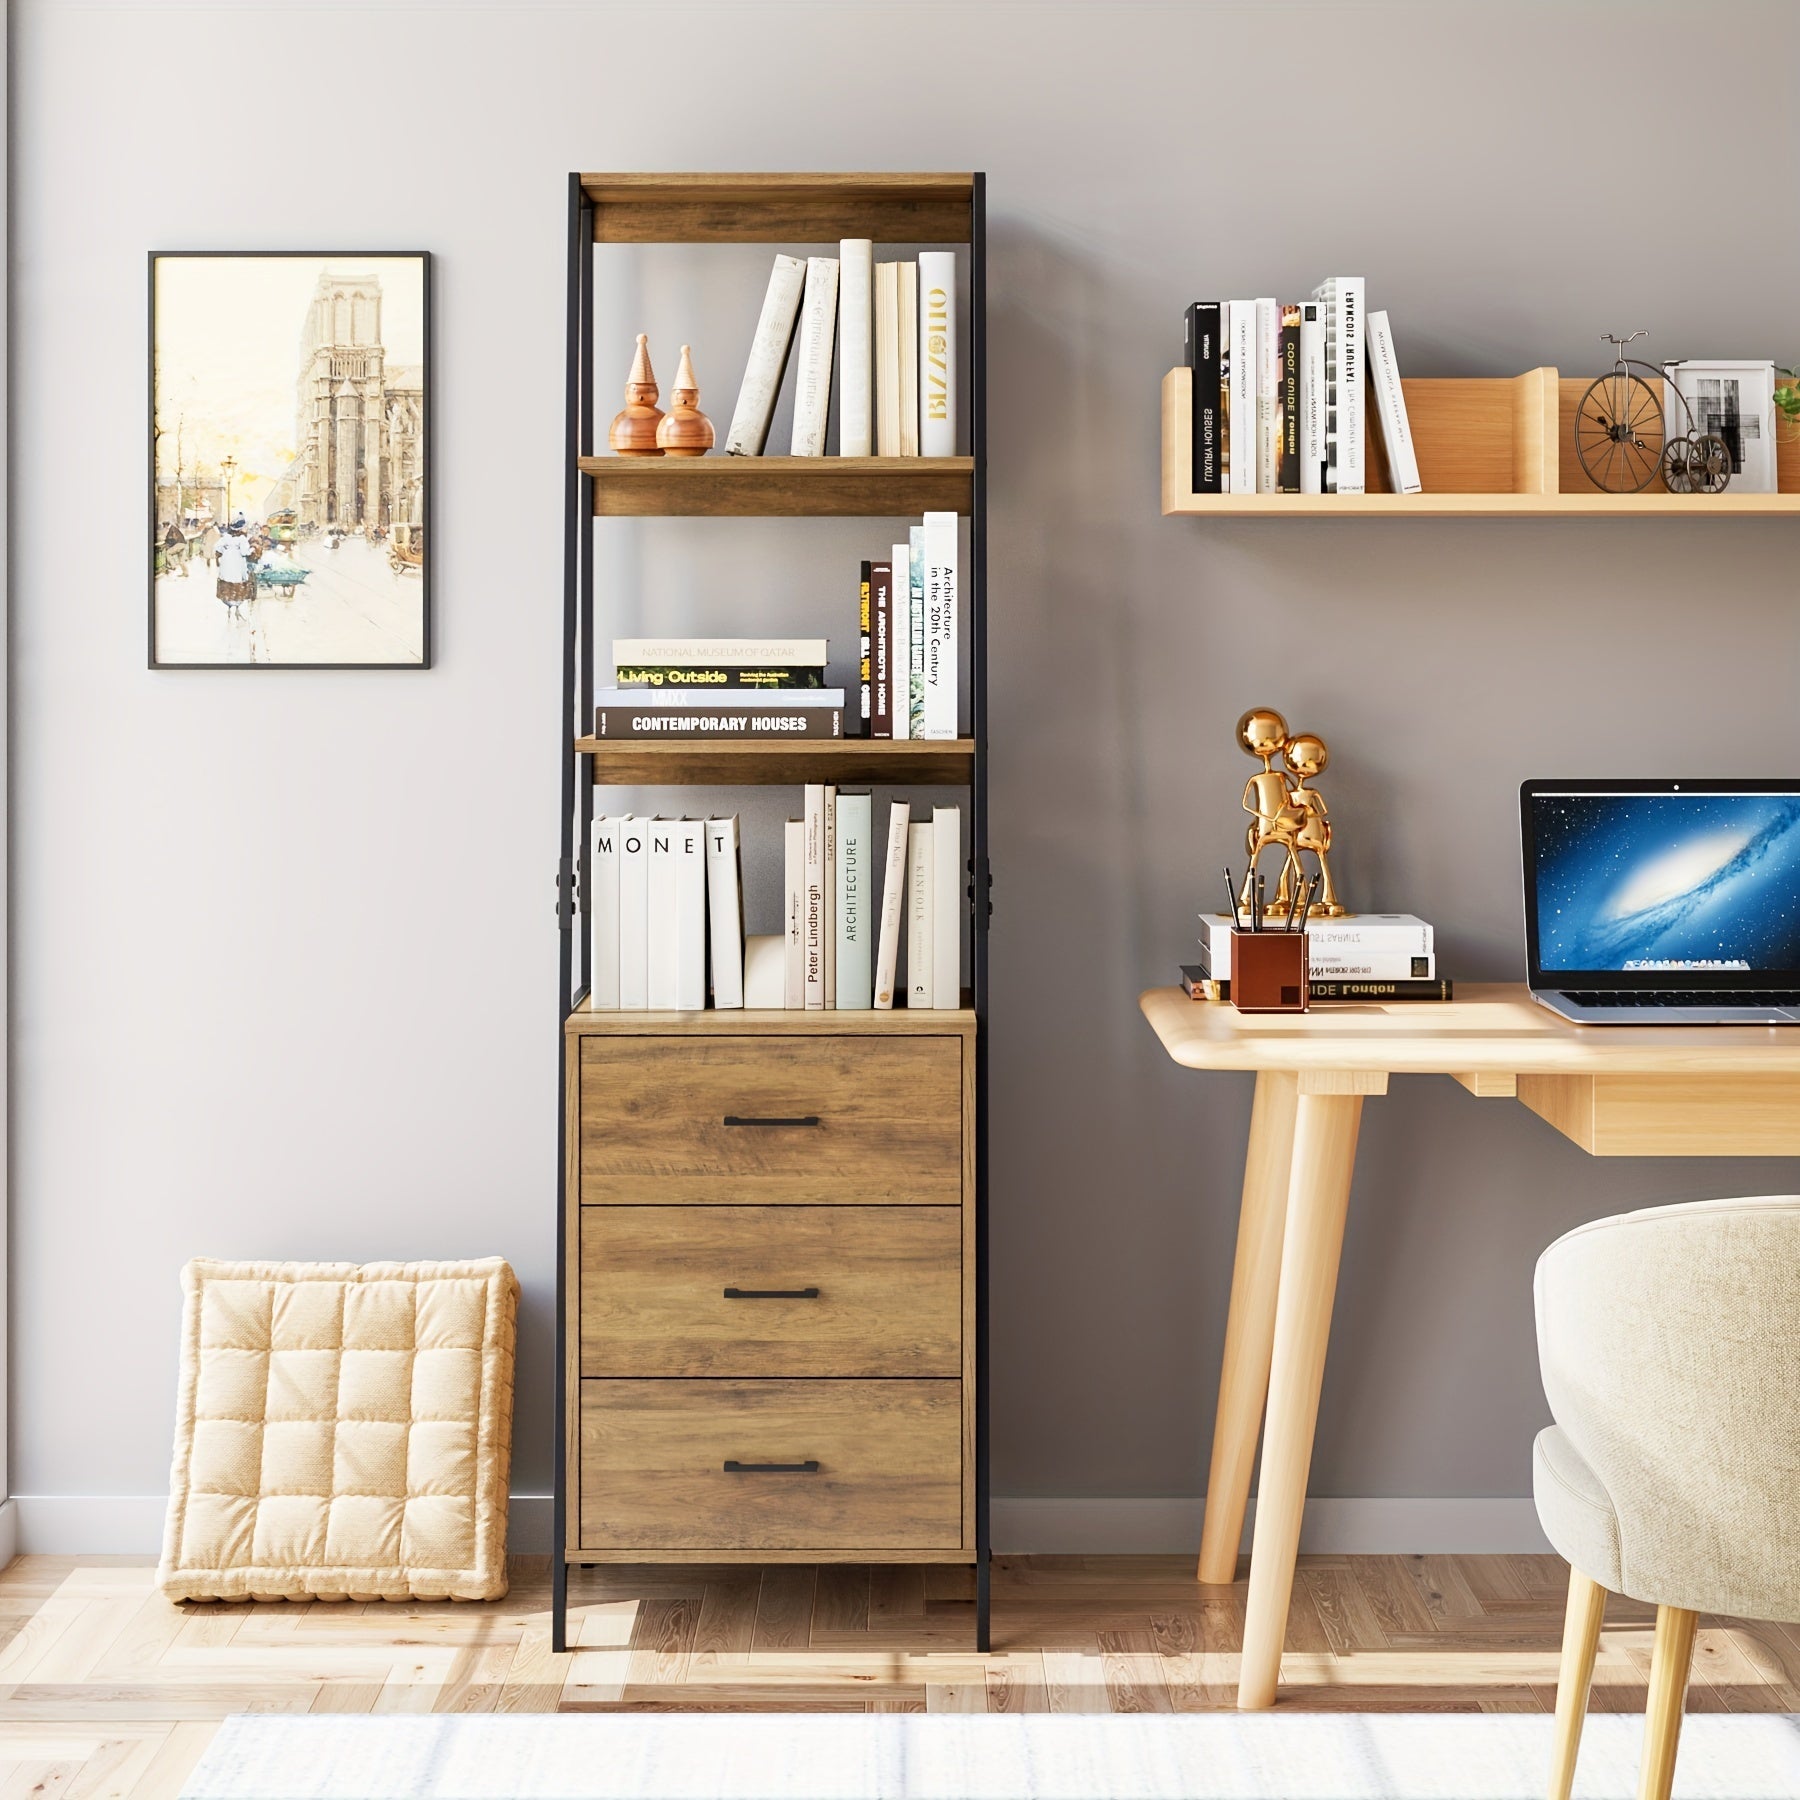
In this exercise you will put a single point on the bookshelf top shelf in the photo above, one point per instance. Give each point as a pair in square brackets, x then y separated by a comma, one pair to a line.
[784, 208]
[901, 1021]
[720, 486]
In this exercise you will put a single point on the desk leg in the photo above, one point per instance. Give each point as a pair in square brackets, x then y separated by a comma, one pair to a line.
[1250, 1324]
[1319, 1196]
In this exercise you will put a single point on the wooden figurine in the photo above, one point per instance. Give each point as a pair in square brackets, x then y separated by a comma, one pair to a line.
[685, 430]
[634, 431]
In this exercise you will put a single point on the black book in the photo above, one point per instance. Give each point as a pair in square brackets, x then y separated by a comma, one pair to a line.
[1203, 357]
[1287, 455]
[758, 719]
[1328, 990]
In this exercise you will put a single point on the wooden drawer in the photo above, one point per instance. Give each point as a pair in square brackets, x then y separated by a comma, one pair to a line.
[880, 1465]
[816, 1121]
[771, 1290]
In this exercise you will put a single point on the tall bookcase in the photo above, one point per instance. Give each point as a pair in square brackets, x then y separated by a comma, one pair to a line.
[888, 1422]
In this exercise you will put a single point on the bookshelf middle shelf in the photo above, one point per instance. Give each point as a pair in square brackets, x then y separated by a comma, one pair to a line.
[779, 486]
[687, 762]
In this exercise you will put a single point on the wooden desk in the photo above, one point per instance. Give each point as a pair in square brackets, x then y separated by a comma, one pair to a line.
[1614, 1090]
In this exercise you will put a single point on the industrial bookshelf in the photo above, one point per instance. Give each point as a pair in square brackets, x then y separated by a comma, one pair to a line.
[903, 1094]
[1486, 448]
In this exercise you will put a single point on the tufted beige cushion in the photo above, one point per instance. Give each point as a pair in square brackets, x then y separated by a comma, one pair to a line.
[1670, 1346]
[342, 1432]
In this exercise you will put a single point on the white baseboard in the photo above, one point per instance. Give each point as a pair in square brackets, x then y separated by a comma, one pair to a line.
[132, 1525]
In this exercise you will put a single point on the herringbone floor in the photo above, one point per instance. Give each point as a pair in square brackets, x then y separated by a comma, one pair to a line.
[108, 1690]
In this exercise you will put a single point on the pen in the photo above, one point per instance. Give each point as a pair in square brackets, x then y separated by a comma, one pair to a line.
[1262, 902]
[1311, 896]
[1231, 895]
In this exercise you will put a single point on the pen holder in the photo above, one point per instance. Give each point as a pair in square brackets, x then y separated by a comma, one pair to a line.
[1268, 971]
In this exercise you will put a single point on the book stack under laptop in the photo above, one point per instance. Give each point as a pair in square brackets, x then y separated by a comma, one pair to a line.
[1359, 958]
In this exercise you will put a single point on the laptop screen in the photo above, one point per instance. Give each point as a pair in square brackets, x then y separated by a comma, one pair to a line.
[1688, 882]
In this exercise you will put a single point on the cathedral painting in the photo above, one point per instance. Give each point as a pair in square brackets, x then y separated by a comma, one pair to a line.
[289, 480]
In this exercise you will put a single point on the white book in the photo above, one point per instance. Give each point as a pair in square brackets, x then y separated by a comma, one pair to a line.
[856, 369]
[919, 959]
[793, 916]
[764, 972]
[812, 361]
[686, 699]
[603, 914]
[1241, 408]
[1312, 398]
[946, 905]
[661, 935]
[915, 615]
[634, 913]
[854, 903]
[1268, 388]
[1390, 404]
[893, 905]
[941, 613]
[1342, 297]
[900, 641]
[908, 332]
[887, 359]
[768, 359]
[727, 653]
[937, 352]
[725, 911]
[1340, 965]
[690, 915]
[828, 897]
[812, 928]
[1402, 934]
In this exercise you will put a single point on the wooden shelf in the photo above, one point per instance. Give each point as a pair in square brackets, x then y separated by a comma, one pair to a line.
[768, 209]
[1486, 448]
[758, 762]
[720, 486]
[902, 1021]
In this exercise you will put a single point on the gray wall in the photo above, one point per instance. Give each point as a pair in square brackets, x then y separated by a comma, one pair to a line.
[284, 948]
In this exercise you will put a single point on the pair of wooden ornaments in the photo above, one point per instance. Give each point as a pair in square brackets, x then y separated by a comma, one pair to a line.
[643, 429]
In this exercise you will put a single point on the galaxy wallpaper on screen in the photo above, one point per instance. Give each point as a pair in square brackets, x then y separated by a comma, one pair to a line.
[1676, 881]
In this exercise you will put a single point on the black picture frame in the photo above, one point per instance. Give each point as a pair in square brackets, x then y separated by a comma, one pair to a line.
[427, 436]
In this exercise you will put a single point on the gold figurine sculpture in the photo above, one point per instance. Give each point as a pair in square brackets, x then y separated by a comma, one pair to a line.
[1284, 811]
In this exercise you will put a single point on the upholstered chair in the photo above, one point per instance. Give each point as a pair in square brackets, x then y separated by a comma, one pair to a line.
[1670, 1346]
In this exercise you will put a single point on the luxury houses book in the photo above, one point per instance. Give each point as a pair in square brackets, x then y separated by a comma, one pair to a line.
[1201, 353]
[856, 370]
[812, 367]
[767, 360]
[725, 911]
[893, 905]
[937, 352]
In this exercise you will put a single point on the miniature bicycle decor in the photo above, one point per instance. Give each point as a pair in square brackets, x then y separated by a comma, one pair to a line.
[1620, 440]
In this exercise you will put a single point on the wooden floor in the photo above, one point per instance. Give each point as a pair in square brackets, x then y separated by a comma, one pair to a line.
[107, 1689]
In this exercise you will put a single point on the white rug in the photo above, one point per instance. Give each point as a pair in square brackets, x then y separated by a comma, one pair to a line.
[787, 1756]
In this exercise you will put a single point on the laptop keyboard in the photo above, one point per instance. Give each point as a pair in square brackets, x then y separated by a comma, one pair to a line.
[1689, 997]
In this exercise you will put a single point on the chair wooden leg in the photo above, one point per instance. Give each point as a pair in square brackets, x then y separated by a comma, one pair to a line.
[1581, 1642]
[1669, 1659]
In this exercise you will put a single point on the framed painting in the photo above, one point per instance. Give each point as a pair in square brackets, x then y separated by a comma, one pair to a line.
[290, 460]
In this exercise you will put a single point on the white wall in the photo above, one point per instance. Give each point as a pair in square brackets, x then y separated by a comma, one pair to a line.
[283, 942]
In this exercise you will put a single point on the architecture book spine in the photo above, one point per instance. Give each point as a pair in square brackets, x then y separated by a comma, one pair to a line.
[853, 989]
[893, 905]
[946, 905]
[1287, 402]
[1240, 425]
[909, 358]
[690, 915]
[730, 653]
[660, 922]
[937, 352]
[812, 367]
[768, 359]
[1312, 398]
[1202, 356]
[813, 904]
[603, 914]
[1268, 385]
[754, 721]
[864, 634]
[856, 369]
[634, 914]
[725, 911]
[881, 649]
[919, 890]
[887, 359]
[716, 675]
[794, 915]
[941, 611]
[1390, 404]
[915, 585]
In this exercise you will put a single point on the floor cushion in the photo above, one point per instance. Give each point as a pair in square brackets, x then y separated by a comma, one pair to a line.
[342, 1432]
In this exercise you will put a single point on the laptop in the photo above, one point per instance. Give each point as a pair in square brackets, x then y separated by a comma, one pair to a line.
[1653, 902]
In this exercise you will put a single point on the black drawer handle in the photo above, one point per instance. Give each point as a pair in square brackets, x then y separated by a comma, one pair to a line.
[772, 1124]
[734, 1467]
[738, 1293]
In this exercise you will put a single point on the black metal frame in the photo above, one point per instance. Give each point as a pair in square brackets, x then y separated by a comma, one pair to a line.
[425, 640]
[577, 813]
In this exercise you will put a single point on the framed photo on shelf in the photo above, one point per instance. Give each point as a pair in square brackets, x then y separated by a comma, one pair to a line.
[1734, 401]
[290, 460]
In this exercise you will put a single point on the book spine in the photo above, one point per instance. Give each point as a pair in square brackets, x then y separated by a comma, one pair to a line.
[915, 678]
[1268, 385]
[893, 904]
[1287, 400]
[864, 674]
[853, 988]
[634, 914]
[946, 905]
[602, 905]
[856, 369]
[767, 361]
[937, 352]
[1352, 381]
[725, 911]
[881, 644]
[1347, 965]
[887, 359]
[812, 374]
[919, 952]
[690, 915]
[909, 359]
[813, 915]
[1326, 296]
[728, 653]
[1312, 399]
[1241, 423]
[941, 607]
[1402, 937]
[794, 914]
[828, 897]
[660, 932]
[1203, 359]
[714, 675]
[1334, 993]
[1390, 403]
[627, 722]
[900, 641]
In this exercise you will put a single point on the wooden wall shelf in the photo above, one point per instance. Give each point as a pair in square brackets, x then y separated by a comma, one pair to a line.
[769, 209]
[1486, 448]
[718, 486]
[713, 762]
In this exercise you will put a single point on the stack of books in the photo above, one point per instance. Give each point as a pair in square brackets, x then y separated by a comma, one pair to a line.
[894, 326]
[665, 907]
[907, 624]
[1357, 959]
[1280, 389]
[719, 687]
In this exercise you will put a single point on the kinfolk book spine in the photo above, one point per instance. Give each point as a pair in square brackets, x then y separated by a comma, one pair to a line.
[1202, 349]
